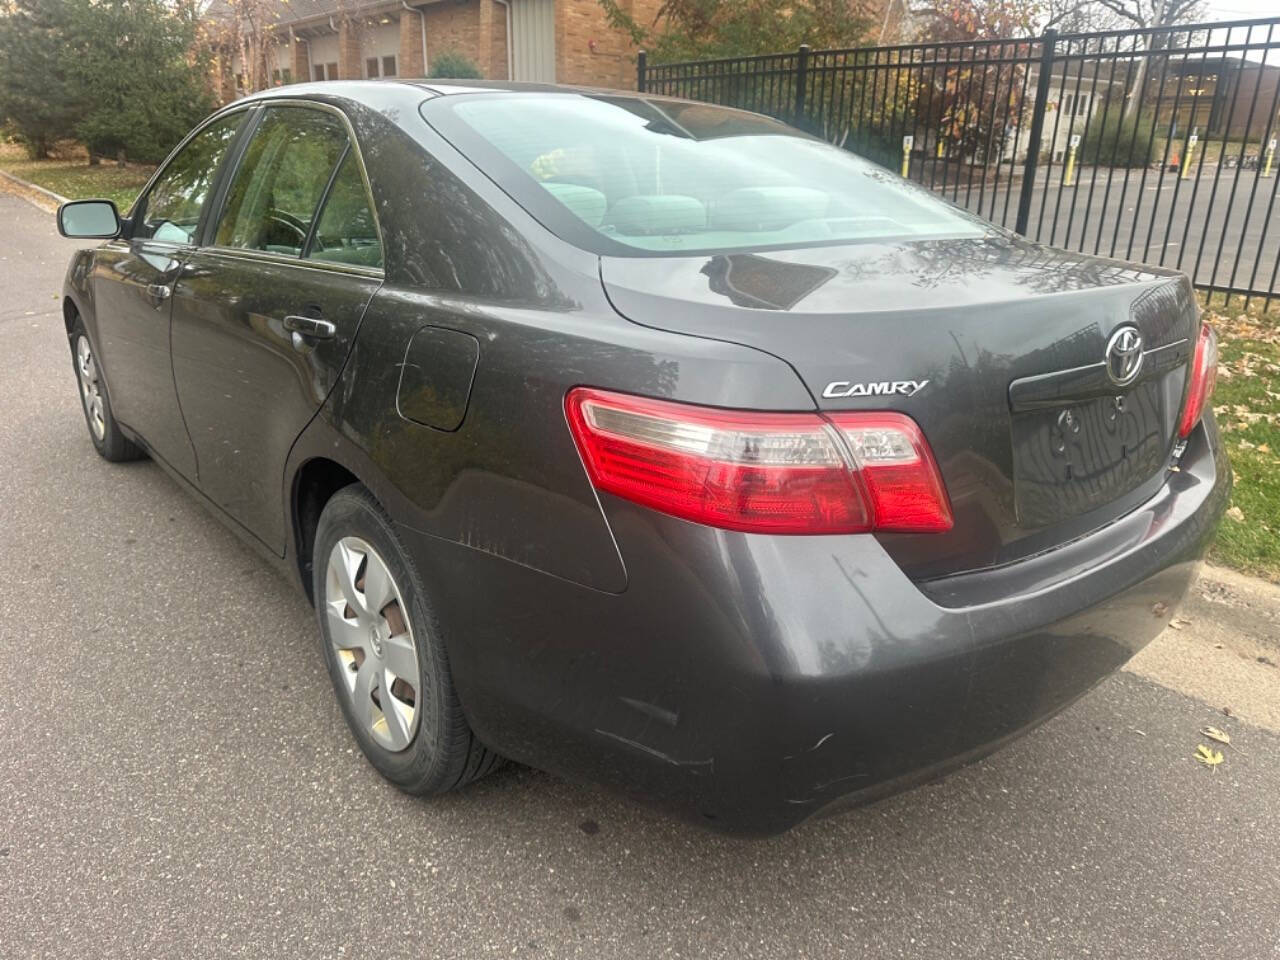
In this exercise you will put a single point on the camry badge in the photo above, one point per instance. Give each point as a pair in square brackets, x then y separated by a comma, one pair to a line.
[1124, 355]
[839, 389]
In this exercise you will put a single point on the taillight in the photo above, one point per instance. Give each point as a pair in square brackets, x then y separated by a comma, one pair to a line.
[760, 472]
[1204, 376]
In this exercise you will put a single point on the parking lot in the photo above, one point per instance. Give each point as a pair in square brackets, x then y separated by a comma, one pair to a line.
[176, 779]
[1153, 219]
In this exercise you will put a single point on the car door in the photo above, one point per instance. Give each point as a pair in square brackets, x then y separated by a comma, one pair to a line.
[266, 310]
[132, 284]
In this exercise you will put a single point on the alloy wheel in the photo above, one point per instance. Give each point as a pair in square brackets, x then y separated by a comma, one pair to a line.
[90, 388]
[373, 642]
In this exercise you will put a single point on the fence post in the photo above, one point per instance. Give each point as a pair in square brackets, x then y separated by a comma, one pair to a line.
[641, 59]
[802, 81]
[1047, 44]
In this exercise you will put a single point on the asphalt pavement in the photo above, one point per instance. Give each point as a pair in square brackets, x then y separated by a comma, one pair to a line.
[176, 780]
[1219, 225]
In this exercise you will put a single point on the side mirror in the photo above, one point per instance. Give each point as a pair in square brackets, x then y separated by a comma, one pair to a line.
[89, 220]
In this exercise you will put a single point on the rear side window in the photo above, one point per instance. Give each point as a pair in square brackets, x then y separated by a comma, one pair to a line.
[669, 176]
[272, 202]
[346, 231]
[171, 210]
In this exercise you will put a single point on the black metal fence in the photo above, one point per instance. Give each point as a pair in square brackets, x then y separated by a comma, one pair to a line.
[1156, 145]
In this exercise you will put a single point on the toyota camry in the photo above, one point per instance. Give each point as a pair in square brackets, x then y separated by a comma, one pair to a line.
[649, 442]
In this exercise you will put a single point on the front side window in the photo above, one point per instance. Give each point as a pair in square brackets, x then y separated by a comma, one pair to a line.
[668, 176]
[346, 231]
[272, 201]
[171, 209]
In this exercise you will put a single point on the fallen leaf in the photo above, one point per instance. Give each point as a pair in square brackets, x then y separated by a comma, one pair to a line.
[1264, 448]
[1236, 514]
[1208, 756]
[1213, 733]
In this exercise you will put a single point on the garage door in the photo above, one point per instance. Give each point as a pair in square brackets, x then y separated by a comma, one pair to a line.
[533, 40]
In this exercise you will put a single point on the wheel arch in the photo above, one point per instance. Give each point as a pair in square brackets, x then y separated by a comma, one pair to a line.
[70, 312]
[315, 481]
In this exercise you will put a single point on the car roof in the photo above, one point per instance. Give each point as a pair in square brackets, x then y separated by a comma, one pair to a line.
[358, 89]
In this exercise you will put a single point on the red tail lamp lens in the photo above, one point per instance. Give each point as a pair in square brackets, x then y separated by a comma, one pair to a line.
[1204, 377]
[792, 473]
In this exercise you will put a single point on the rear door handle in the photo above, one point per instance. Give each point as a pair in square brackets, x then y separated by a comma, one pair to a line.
[310, 327]
[159, 291]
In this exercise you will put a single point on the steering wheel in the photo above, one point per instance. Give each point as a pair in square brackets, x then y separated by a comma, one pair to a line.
[281, 225]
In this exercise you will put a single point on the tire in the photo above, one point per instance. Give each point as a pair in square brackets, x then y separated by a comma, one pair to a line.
[423, 744]
[95, 403]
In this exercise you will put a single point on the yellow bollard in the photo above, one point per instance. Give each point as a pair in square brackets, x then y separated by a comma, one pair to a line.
[942, 147]
[1271, 157]
[1186, 161]
[1069, 175]
[907, 141]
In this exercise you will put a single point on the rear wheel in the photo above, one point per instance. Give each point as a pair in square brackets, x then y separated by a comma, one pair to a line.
[105, 433]
[384, 652]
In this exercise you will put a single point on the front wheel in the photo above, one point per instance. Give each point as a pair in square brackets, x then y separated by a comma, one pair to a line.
[105, 433]
[384, 652]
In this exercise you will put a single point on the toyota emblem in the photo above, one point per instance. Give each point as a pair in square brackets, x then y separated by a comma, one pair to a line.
[1124, 355]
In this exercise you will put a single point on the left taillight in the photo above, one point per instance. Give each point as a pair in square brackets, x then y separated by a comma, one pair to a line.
[793, 473]
[1204, 377]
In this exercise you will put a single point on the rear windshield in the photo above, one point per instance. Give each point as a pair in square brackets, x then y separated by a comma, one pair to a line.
[665, 176]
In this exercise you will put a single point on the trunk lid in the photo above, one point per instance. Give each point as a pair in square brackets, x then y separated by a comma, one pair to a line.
[995, 346]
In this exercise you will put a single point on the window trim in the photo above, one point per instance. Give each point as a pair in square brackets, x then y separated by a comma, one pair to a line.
[284, 260]
[236, 156]
[139, 206]
[310, 238]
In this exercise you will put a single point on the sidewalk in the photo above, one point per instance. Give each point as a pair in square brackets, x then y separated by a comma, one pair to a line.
[1224, 648]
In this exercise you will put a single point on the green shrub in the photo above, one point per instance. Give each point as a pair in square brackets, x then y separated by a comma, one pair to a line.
[452, 65]
[1119, 142]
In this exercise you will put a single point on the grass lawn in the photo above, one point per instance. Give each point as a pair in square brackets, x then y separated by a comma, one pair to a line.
[1247, 405]
[75, 179]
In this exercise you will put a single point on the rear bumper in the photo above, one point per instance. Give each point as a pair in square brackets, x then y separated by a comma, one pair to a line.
[751, 682]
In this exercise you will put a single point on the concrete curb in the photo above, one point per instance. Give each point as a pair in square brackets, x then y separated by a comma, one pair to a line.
[48, 195]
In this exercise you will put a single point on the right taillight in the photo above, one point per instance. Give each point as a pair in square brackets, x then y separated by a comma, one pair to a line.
[1204, 375]
[794, 473]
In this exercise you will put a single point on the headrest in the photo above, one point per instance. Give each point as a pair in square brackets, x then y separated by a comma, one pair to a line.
[586, 203]
[768, 208]
[657, 214]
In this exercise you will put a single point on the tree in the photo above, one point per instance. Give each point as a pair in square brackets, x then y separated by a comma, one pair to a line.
[1154, 13]
[37, 97]
[968, 105]
[1150, 13]
[120, 75]
[244, 31]
[140, 86]
[698, 29]
[949, 20]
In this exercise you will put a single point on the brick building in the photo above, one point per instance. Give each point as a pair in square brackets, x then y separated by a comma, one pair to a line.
[260, 43]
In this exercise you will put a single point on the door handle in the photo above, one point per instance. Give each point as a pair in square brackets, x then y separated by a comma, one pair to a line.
[159, 291]
[310, 327]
